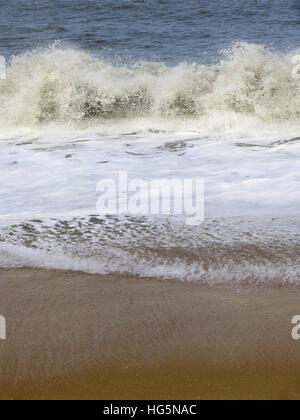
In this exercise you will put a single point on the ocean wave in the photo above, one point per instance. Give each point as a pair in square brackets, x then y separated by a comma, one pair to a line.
[252, 87]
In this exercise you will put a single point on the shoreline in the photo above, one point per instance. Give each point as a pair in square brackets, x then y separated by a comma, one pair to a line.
[79, 336]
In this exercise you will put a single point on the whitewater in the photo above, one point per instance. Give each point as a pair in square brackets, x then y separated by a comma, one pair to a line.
[69, 118]
[251, 90]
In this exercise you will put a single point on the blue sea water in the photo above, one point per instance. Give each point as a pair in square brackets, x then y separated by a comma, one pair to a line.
[169, 31]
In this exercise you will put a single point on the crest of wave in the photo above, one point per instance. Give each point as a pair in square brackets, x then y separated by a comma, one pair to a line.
[250, 86]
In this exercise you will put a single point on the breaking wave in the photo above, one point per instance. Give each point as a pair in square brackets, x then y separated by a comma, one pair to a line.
[252, 87]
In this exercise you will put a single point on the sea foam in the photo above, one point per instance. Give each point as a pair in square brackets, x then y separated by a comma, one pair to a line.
[251, 88]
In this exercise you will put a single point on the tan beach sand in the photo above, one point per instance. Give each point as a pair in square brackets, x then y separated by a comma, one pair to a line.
[73, 335]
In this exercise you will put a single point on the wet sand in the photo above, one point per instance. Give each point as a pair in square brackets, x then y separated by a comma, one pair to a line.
[77, 336]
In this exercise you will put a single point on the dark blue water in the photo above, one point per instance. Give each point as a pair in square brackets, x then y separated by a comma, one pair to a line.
[171, 31]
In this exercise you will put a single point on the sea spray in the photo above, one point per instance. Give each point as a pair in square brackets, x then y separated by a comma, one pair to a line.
[252, 87]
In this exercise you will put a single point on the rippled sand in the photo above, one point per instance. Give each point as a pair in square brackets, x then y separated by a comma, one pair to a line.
[73, 335]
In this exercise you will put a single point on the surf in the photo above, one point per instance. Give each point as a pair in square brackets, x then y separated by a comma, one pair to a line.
[252, 89]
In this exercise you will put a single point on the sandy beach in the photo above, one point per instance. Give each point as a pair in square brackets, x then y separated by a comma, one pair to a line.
[78, 336]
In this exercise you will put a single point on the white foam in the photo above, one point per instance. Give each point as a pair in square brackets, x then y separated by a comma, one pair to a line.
[68, 119]
[233, 252]
[251, 91]
[58, 176]
[121, 263]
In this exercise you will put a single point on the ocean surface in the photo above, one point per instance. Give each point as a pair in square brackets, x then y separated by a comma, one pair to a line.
[164, 89]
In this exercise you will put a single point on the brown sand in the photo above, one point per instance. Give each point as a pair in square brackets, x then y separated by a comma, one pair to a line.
[77, 336]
